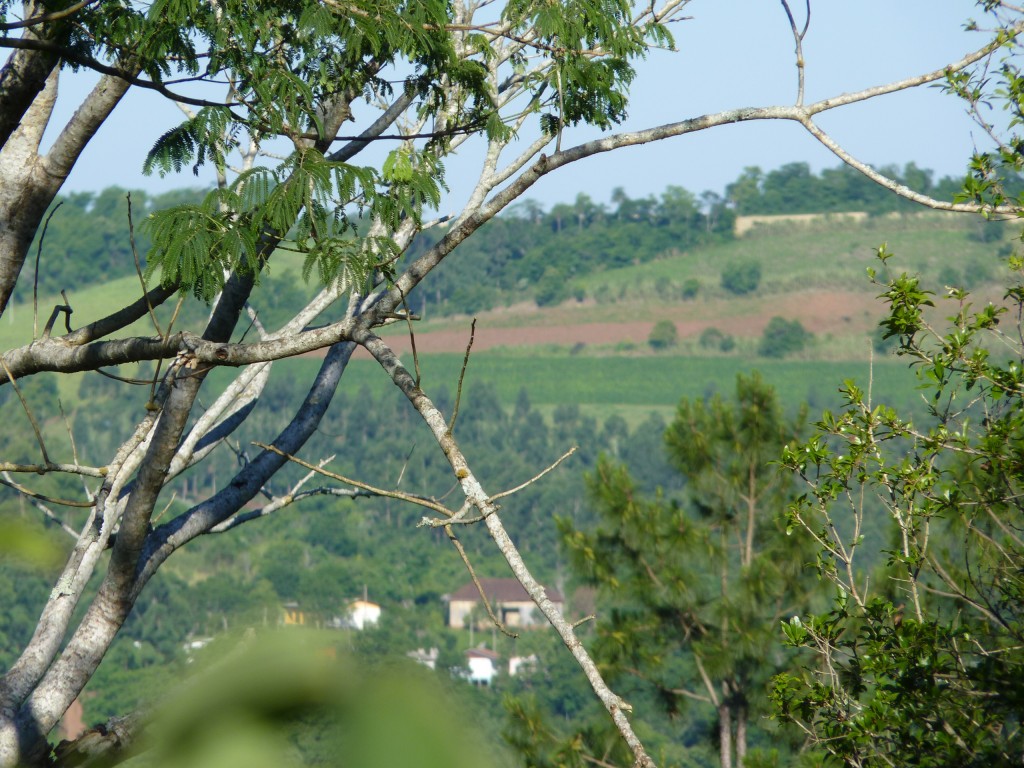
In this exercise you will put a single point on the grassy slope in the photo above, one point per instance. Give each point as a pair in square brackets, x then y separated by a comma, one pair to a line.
[829, 255]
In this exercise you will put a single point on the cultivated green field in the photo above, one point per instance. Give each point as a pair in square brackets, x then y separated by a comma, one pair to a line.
[631, 387]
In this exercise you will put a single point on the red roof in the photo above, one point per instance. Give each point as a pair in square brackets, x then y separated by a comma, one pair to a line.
[501, 591]
[482, 653]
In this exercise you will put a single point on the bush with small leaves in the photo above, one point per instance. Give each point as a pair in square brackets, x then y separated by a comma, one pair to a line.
[741, 277]
[713, 338]
[887, 671]
[783, 337]
[663, 335]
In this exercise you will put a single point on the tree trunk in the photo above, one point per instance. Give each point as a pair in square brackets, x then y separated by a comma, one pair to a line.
[30, 710]
[741, 734]
[725, 735]
[23, 77]
[32, 181]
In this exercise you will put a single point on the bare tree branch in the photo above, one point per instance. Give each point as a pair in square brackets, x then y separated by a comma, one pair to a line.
[476, 496]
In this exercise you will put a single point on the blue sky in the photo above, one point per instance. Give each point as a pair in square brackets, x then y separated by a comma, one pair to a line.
[732, 53]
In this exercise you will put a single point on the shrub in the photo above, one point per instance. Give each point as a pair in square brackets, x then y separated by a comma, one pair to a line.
[690, 288]
[741, 277]
[783, 337]
[551, 289]
[712, 338]
[663, 335]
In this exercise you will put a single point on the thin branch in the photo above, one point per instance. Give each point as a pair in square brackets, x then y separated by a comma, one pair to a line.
[28, 411]
[536, 477]
[64, 309]
[412, 341]
[122, 318]
[798, 39]
[400, 495]
[280, 502]
[382, 123]
[35, 276]
[155, 382]
[6, 480]
[894, 186]
[476, 582]
[46, 18]
[462, 376]
[89, 62]
[42, 469]
[595, 761]
[74, 447]
[138, 266]
[405, 465]
[50, 515]
[124, 379]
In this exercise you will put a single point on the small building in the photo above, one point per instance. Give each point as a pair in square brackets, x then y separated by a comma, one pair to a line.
[427, 658]
[517, 664]
[482, 664]
[193, 645]
[293, 615]
[362, 614]
[509, 601]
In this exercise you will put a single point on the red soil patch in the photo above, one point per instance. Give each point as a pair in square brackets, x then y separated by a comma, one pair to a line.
[820, 312]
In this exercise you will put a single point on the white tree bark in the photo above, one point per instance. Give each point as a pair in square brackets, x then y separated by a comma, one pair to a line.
[31, 180]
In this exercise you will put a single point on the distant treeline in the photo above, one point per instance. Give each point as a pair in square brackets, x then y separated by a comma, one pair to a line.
[528, 252]
[535, 253]
[794, 188]
[87, 238]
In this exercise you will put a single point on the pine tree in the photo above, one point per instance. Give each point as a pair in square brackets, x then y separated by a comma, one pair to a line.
[691, 590]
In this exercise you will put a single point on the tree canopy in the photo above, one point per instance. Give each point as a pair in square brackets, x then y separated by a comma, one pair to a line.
[693, 589]
[911, 664]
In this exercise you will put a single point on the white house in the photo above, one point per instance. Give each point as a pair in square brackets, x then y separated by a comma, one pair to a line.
[483, 665]
[363, 613]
